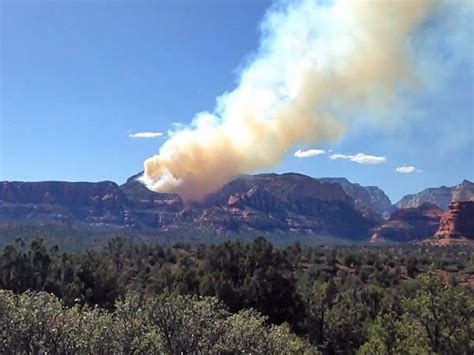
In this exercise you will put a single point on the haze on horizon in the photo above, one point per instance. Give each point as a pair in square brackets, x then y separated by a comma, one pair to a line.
[89, 90]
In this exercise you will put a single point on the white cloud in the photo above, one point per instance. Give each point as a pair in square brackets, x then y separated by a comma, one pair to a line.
[360, 158]
[145, 135]
[340, 156]
[407, 170]
[309, 153]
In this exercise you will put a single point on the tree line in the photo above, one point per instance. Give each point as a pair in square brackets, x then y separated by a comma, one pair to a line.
[236, 297]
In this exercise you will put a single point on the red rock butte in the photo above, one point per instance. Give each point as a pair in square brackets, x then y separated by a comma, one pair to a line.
[456, 225]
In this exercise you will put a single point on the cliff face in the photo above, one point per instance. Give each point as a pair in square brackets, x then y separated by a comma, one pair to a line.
[441, 196]
[287, 202]
[463, 192]
[63, 193]
[457, 224]
[380, 201]
[267, 202]
[409, 224]
[139, 197]
[367, 199]
[288, 191]
[61, 202]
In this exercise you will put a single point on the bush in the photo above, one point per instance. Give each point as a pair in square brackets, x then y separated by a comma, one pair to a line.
[39, 323]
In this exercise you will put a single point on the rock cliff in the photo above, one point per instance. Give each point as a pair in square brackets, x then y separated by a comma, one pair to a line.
[367, 199]
[266, 202]
[456, 225]
[409, 224]
[440, 196]
[61, 202]
[291, 202]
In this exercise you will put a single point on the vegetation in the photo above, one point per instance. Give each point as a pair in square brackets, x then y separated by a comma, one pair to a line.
[236, 297]
[37, 323]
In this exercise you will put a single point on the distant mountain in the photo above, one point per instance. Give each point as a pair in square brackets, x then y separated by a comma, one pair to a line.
[440, 196]
[366, 198]
[62, 203]
[148, 209]
[289, 203]
[265, 204]
[409, 224]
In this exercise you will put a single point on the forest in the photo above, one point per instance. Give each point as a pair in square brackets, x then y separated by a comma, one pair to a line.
[236, 297]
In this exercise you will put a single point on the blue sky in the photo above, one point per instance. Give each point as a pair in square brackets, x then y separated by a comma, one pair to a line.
[77, 78]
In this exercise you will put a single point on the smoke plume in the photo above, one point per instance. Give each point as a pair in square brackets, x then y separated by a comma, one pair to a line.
[315, 63]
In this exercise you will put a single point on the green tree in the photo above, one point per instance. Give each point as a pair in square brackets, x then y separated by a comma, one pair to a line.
[445, 313]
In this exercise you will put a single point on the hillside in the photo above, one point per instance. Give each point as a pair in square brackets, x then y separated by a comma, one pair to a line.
[281, 206]
[289, 203]
[409, 224]
[440, 196]
[368, 199]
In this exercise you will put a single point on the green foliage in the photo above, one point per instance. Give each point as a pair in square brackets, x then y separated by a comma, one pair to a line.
[236, 297]
[445, 315]
[173, 324]
[390, 334]
[436, 319]
[38, 323]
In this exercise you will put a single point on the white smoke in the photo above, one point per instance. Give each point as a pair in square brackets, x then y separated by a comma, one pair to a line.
[316, 62]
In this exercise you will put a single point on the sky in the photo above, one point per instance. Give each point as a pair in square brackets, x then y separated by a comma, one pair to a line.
[90, 89]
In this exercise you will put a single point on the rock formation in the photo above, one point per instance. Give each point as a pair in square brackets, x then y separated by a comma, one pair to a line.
[266, 202]
[291, 202]
[456, 225]
[61, 202]
[367, 199]
[409, 224]
[441, 196]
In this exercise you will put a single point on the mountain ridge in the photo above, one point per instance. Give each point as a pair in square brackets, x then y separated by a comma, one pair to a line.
[266, 202]
[441, 196]
[367, 198]
[262, 203]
